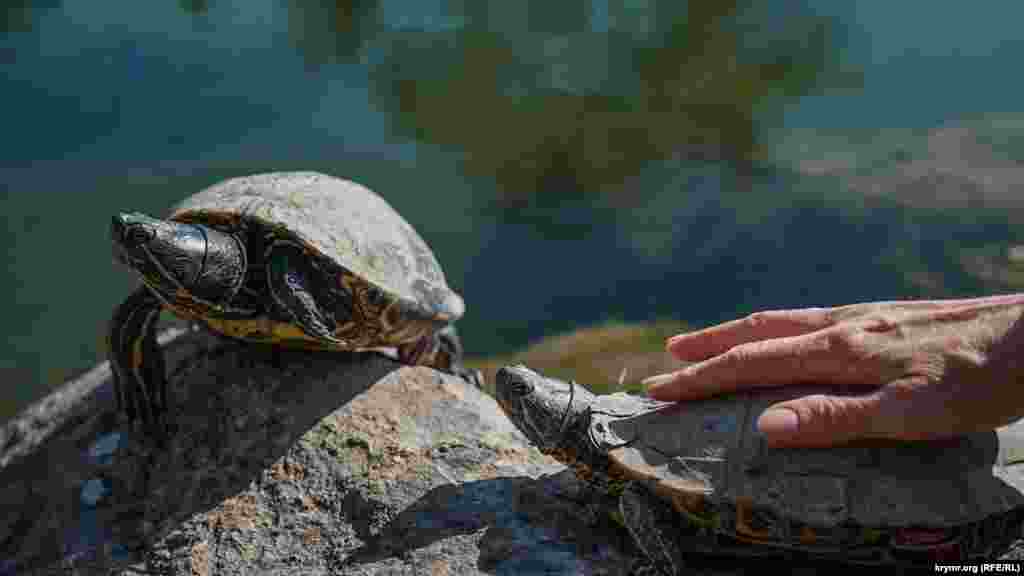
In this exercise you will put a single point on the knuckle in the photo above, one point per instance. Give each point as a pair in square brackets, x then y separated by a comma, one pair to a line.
[729, 365]
[738, 354]
[840, 313]
[757, 319]
[850, 341]
[815, 409]
[854, 312]
[882, 323]
[837, 339]
[833, 414]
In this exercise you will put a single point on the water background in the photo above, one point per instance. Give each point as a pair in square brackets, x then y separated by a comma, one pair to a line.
[513, 137]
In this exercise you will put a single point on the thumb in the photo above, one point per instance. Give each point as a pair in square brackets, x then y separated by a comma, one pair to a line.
[819, 420]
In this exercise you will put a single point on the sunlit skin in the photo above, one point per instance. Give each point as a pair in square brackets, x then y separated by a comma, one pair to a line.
[929, 369]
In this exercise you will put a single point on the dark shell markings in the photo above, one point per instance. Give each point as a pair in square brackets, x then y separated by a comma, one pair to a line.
[698, 477]
[294, 203]
[291, 258]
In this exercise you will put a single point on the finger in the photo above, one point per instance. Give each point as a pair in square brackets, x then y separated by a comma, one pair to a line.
[910, 408]
[824, 357]
[821, 420]
[914, 304]
[703, 344]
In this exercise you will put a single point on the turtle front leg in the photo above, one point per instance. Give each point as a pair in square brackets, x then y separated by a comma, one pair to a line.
[136, 361]
[291, 279]
[650, 524]
[442, 351]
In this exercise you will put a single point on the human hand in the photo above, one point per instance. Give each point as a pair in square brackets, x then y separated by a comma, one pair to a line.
[930, 369]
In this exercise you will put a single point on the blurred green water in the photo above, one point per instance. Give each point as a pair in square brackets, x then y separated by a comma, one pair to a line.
[568, 162]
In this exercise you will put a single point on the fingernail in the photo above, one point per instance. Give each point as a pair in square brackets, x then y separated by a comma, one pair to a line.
[656, 381]
[778, 422]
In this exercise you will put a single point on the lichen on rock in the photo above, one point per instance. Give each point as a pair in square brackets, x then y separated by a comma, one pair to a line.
[286, 462]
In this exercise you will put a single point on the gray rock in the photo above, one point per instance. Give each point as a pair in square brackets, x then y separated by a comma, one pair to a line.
[287, 462]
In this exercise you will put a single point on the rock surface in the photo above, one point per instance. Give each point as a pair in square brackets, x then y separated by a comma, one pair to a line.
[288, 463]
[285, 462]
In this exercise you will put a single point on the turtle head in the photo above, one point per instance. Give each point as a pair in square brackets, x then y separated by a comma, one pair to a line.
[544, 409]
[176, 259]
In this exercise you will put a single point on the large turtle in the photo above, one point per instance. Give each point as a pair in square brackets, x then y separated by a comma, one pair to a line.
[697, 477]
[289, 258]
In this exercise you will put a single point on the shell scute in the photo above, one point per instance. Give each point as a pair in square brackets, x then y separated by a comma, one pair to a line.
[340, 220]
[691, 448]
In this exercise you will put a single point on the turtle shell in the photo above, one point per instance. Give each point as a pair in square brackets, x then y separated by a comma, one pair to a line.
[709, 460]
[340, 220]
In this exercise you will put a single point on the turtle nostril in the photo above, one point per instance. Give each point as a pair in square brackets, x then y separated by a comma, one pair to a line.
[128, 233]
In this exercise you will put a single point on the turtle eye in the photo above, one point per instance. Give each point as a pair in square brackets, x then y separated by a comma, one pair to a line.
[374, 295]
[521, 388]
[137, 235]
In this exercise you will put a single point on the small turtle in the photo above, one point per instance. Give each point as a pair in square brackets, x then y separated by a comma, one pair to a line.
[697, 477]
[296, 259]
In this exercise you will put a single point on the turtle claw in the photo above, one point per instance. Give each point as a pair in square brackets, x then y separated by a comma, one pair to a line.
[654, 533]
[643, 567]
[441, 351]
[450, 356]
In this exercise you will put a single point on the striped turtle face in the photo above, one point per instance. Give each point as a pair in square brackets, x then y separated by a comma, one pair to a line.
[544, 409]
[179, 261]
[158, 251]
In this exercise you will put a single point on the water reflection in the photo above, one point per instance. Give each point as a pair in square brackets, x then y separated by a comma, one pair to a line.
[326, 32]
[568, 162]
[194, 7]
[581, 99]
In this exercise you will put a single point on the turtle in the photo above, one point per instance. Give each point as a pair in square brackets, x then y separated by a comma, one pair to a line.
[293, 259]
[695, 480]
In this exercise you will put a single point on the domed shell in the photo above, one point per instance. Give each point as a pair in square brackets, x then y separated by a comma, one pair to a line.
[712, 449]
[344, 221]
